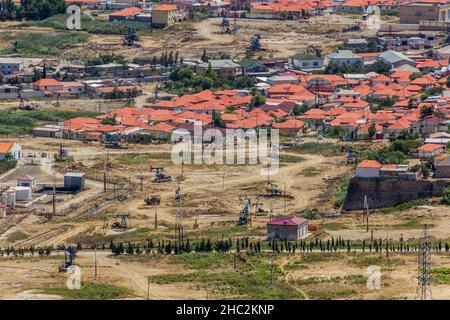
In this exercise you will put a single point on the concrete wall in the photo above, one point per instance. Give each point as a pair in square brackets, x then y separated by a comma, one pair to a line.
[368, 172]
[387, 192]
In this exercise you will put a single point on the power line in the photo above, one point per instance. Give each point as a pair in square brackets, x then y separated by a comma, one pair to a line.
[423, 291]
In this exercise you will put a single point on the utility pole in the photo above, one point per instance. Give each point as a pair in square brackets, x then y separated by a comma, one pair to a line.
[54, 194]
[148, 287]
[271, 270]
[223, 181]
[179, 220]
[156, 217]
[366, 213]
[142, 178]
[182, 170]
[284, 198]
[387, 253]
[105, 170]
[423, 291]
[95, 261]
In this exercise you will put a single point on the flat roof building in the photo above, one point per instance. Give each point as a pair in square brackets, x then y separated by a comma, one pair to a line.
[413, 13]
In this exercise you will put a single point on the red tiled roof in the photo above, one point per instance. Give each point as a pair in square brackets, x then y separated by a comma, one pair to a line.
[5, 147]
[288, 221]
[430, 147]
[369, 164]
[47, 82]
[126, 12]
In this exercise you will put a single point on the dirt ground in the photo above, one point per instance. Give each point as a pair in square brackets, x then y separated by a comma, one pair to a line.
[279, 39]
[214, 195]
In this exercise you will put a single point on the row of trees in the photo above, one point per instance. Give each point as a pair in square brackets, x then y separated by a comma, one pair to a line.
[238, 245]
[169, 247]
[31, 9]
[378, 66]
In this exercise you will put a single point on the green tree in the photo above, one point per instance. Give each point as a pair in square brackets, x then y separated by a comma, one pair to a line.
[204, 57]
[372, 130]
[258, 100]
[426, 111]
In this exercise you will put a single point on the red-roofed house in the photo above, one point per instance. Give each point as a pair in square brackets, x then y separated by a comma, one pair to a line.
[287, 228]
[368, 169]
[48, 85]
[161, 130]
[27, 181]
[430, 150]
[125, 14]
[289, 127]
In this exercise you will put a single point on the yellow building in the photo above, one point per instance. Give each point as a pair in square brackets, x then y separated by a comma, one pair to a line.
[164, 15]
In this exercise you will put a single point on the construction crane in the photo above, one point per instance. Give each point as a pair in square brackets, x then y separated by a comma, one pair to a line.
[160, 176]
[69, 257]
[121, 222]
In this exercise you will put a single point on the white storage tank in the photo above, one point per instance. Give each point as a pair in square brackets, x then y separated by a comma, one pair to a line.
[9, 198]
[23, 193]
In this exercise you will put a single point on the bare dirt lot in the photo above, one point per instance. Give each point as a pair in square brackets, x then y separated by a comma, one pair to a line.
[214, 195]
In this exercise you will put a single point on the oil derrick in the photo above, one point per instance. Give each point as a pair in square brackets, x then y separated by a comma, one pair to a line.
[69, 257]
[255, 43]
[245, 216]
[423, 291]
[225, 25]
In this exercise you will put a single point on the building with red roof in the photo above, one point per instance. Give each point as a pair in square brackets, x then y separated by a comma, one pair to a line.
[368, 169]
[287, 228]
[125, 14]
[48, 85]
[291, 127]
[430, 150]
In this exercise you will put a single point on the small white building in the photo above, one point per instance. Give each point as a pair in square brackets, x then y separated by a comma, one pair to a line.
[305, 61]
[27, 181]
[368, 169]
